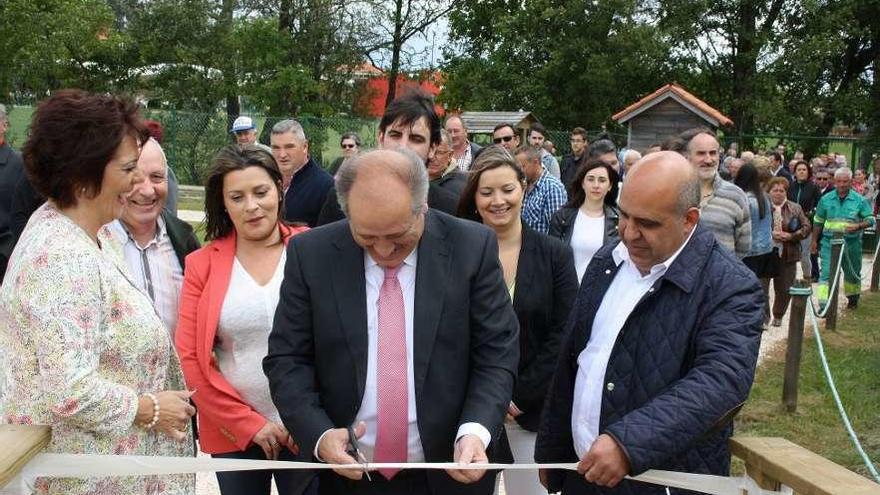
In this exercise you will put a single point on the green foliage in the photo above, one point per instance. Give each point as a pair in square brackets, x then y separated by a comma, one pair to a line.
[773, 66]
[43, 50]
[594, 56]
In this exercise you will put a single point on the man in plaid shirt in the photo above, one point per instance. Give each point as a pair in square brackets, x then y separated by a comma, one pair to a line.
[544, 194]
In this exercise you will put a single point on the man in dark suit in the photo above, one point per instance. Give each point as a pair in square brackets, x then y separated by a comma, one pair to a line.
[661, 345]
[409, 122]
[464, 152]
[11, 170]
[443, 172]
[305, 183]
[396, 323]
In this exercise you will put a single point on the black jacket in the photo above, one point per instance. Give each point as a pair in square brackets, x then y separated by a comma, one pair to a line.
[569, 167]
[681, 367]
[464, 331]
[452, 182]
[546, 285]
[806, 194]
[562, 224]
[181, 235]
[307, 193]
[11, 170]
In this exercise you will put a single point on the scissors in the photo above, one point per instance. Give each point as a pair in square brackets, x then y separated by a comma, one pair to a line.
[356, 452]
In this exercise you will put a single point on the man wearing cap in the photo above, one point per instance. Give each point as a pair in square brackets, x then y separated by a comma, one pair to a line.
[246, 132]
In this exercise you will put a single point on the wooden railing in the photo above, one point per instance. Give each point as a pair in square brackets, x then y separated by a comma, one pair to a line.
[771, 462]
[18, 445]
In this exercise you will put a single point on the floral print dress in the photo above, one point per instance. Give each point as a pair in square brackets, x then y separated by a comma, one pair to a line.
[81, 344]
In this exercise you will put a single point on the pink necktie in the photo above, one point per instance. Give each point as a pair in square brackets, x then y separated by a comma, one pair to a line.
[391, 370]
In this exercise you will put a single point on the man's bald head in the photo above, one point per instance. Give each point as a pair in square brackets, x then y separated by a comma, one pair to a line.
[672, 170]
[384, 193]
[658, 207]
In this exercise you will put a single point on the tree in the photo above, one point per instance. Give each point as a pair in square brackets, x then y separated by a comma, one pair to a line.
[43, 51]
[571, 63]
[394, 24]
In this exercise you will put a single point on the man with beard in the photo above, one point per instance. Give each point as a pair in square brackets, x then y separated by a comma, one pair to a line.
[724, 208]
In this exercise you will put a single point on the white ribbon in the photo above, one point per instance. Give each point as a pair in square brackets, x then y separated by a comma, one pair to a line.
[85, 466]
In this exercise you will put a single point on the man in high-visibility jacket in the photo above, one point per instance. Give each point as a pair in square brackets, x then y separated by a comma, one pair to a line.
[841, 210]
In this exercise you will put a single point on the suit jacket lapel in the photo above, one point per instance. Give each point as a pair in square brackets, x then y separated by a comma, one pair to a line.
[432, 271]
[525, 268]
[349, 288]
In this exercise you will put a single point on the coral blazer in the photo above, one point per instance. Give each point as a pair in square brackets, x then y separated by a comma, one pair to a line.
[226, 422]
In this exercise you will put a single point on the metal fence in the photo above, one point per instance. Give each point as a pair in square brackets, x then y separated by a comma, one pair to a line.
[191, 139]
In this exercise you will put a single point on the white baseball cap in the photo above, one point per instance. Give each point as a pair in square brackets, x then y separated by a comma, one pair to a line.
[242, 124]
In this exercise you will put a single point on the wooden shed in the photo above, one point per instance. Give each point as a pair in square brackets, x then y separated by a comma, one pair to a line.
[665, 113]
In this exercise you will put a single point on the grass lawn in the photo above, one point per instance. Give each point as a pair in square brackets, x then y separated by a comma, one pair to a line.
[854, 357]
[194, 204]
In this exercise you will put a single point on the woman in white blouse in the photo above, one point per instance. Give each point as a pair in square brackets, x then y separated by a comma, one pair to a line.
[227, 305]
[589, 220]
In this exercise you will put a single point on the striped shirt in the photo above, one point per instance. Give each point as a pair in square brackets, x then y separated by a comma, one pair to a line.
[154, 268]
[464, 161]
[542, 201]
[727, 215]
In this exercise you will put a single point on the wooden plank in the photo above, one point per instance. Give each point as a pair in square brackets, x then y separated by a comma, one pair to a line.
[20, 444]
[805, 472]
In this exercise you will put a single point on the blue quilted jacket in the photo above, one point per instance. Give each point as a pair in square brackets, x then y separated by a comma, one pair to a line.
[681, 367]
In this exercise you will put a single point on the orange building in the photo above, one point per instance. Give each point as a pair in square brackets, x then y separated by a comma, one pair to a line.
[373, 88]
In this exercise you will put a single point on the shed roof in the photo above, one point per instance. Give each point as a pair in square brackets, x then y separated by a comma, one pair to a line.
[481, 122]
[682, 96]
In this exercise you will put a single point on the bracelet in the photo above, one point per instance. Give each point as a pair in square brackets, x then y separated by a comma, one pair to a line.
[156, 410]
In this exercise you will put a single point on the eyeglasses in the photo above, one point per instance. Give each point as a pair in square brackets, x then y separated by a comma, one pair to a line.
[348, 146]
[505, 139]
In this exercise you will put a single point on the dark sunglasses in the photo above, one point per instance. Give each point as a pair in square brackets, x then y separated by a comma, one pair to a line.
[505, 139]
[348, 146]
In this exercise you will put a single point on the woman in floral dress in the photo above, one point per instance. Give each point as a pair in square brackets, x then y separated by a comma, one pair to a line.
[85, 351]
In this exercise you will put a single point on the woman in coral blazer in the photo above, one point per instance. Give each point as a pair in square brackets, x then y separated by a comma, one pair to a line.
[228, 301]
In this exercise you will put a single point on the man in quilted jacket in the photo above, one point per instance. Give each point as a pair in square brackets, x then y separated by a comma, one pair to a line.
[661, 345]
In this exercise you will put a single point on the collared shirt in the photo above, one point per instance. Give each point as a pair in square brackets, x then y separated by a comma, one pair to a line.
[624, 293]
[155, 269]
[451, 168]
[550, 163]
[541, 202]
[464, 161]
[375, 275]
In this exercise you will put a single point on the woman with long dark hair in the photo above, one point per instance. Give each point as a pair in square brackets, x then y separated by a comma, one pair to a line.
[540, 277]
[589, 220]
[227, 305]
[762, 258]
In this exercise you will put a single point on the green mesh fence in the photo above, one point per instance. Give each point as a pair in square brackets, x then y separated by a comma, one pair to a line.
[191, 139]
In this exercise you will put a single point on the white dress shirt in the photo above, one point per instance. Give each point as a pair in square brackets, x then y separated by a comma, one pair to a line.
[406, 276]
[625, 291]
[154, 268]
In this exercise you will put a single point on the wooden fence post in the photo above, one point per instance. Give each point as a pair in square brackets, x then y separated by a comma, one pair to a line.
[836, 251]
[800, 297]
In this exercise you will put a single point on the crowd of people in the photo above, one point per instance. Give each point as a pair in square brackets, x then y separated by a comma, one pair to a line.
[431, 300]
